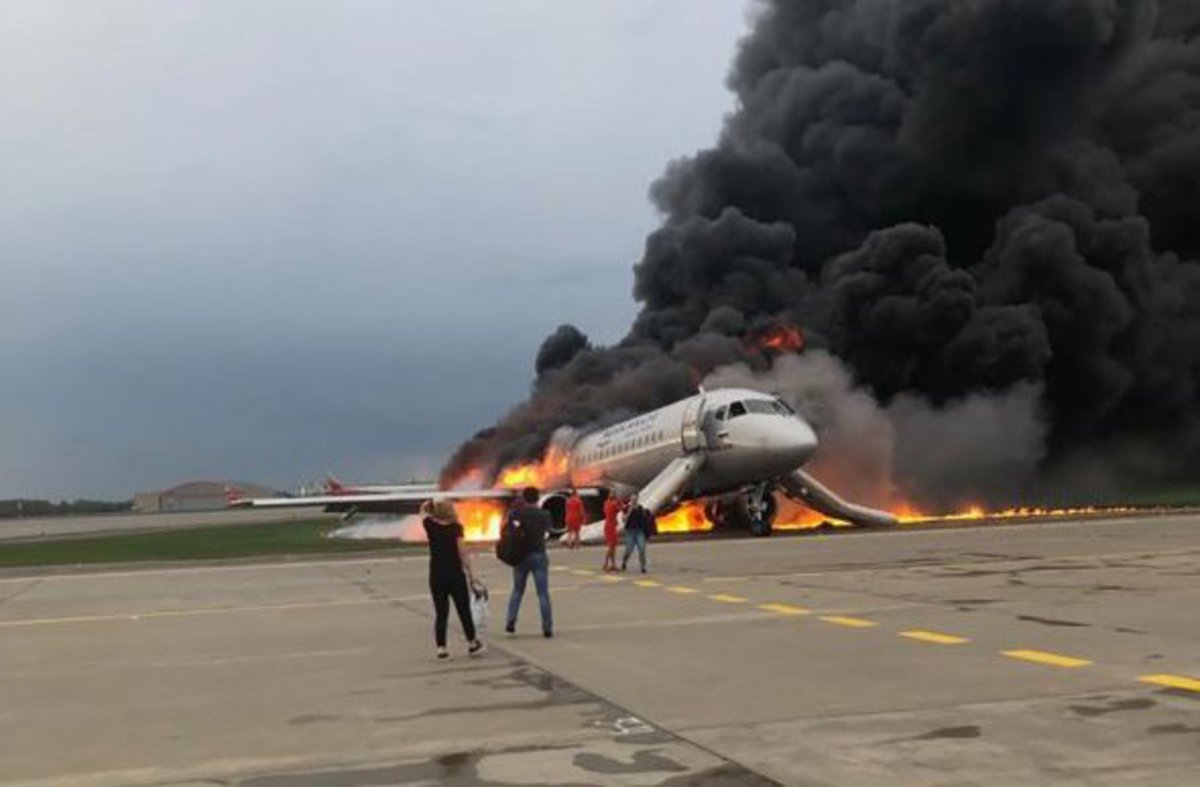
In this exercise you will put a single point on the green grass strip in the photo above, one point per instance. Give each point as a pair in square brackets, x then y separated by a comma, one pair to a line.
[196, 543]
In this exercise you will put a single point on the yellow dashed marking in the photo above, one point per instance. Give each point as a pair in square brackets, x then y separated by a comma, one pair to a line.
[784, 609]
[933, 636]
[611, 578]
[582, 572]
[854, 623]
[559, 568]
[1172, 682]
[728, 599]
[647, 583]
[681, 590]
[1042, 657]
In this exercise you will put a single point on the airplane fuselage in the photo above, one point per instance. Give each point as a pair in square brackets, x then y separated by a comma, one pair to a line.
[745, 437]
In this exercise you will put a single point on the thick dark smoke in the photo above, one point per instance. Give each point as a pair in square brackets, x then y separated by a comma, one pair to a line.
[960, 199]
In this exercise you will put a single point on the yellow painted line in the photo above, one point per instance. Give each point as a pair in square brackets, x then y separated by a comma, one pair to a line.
[559, 568]
[647, 583]
[728, 599]
[582, 571]
[1172, 682]
[854, 623]
[179, 613]
[785, 609]
[1042, 657]
[933, 636]
[611, 578]
[680, 589]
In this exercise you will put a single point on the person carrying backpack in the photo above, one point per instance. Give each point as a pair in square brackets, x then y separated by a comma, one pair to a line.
[526, 527]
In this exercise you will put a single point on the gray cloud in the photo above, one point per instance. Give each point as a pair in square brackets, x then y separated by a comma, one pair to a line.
[273, 239]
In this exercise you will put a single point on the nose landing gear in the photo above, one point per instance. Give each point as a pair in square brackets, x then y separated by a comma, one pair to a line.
[760, 509]
[753, 509]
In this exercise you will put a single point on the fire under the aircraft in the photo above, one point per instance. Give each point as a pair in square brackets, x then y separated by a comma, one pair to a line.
[481, 519]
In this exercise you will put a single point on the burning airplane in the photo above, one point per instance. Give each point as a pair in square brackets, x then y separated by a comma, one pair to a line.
[715, 443]
[991, 233]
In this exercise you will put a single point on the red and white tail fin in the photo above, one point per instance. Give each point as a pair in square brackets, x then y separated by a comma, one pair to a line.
[232, 496]
[333, 486]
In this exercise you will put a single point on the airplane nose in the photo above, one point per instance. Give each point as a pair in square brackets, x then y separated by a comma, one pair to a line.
[798, 441]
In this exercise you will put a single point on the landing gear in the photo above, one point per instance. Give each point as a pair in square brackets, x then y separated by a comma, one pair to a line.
[760, 509]
[751, 510]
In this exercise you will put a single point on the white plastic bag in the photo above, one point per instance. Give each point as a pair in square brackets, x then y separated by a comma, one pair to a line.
[479, 605]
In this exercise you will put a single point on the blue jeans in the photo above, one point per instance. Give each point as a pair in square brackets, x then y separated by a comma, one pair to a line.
[538, 564]
[635, 538]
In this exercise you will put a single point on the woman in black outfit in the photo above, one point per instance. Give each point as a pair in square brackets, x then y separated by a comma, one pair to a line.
[449, 570]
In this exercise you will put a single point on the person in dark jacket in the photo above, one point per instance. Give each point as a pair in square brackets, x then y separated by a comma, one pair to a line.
[533, 524]
[449, 574]
[639, 524]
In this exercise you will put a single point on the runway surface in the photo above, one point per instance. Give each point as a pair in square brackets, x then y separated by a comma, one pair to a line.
[1064, 653]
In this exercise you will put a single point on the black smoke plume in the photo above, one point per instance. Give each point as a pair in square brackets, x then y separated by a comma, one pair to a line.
[956, 198]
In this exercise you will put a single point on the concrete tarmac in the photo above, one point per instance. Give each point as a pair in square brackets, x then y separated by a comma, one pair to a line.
[1054, 653]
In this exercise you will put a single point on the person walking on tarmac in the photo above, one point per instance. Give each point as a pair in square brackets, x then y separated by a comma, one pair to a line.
[612, 510]
[449, 572]
[533, 523]
[574, 518]
[639, 524]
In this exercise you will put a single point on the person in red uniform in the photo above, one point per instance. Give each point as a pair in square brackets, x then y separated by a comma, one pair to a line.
[612, 509]
[574, 518]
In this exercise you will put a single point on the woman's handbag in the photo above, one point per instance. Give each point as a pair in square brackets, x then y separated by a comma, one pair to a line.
[479, 604]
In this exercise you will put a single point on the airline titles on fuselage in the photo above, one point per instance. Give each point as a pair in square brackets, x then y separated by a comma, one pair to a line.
[642, 432]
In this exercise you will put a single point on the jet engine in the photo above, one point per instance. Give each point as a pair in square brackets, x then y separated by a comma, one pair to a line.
[555, 504]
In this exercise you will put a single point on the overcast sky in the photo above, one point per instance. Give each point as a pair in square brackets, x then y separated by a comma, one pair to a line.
[265, 240]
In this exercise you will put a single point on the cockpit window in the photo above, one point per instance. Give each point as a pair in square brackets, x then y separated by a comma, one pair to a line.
[784, 408]
[736, 409]
[720, 416]
[760, 406]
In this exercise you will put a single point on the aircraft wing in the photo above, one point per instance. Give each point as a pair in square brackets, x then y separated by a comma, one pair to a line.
[400, 502]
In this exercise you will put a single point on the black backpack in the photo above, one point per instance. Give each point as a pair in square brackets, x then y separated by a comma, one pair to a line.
[512, 546]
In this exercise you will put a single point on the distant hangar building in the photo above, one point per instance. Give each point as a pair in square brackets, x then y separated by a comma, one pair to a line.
[196, 496]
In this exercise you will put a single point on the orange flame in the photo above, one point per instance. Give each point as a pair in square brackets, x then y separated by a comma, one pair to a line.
[690, 517]
[551, 470]
[687, 518]
[480, 518]
[779, 338]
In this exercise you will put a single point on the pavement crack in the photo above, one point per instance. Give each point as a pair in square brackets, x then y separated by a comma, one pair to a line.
[21, 591]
